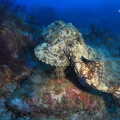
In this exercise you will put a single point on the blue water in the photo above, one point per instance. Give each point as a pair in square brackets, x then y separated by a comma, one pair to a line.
[102, 13]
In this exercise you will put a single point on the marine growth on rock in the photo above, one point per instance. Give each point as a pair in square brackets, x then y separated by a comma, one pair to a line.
[64, 45]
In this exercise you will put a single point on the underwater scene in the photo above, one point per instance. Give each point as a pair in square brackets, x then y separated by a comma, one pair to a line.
[59, 59]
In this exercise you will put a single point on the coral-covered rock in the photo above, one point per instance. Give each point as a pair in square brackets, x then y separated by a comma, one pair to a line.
[41, 95]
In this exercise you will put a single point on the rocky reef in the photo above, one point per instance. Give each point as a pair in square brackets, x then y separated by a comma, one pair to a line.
[62, 98]
[33, 90]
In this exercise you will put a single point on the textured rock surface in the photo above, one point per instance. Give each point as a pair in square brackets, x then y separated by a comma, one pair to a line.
[61, 98]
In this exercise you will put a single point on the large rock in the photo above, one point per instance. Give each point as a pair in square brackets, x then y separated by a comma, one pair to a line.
[61, 98]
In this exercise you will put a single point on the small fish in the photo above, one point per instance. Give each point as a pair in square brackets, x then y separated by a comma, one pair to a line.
[109, 39]
[119, 11]
[45, 5]
[30, 16]
[2, 31]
